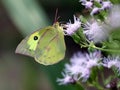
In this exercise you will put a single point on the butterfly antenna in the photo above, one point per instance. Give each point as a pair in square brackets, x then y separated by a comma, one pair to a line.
[56, 16]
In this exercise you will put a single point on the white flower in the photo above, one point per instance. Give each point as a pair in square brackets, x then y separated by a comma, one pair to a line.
[93, 59]
[106, 5]
[108, 86]
[73, 69]
[114, 17]
[66, 80]
[78, 59]
[87, 4]
[85, 75]
[95, 31]
[71, 28]
[83, 1]
[80, 66]
[94, 11]
[109, 62]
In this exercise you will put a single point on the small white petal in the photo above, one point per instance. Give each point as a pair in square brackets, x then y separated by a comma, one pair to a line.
[73, 69]
[106, 5]
[85, 74]
[66, 80]
[83, 1]
[109, 62]
[87, 4]
[108, 86]
[95, 11]
[71, 28]
[95, 32]
[78, 58]
[114, 17]
[93, 59]
[81, 64]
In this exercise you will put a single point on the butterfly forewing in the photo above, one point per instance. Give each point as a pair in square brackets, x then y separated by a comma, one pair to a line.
[53, 49]
[46, 45]
[28, 45]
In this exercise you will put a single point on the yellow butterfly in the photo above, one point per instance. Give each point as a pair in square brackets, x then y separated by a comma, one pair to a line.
[46, 45]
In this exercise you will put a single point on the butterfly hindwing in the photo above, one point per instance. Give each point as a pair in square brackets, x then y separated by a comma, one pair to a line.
[46, 45]
[28, 45]
[51, 48]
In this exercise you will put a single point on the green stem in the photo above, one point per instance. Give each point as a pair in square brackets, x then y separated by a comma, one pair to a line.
[108, 50]
[98, 86]
[80, 86]
[102, 49]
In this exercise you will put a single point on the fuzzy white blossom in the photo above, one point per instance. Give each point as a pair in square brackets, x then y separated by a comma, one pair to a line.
[90, 4]
[80, 66]
[95, 31]
[94, 11]
[85, 74]
[106, 5]
[66, 80]
[114, 17]
[110, 62]
[72, 28]
[87, 4]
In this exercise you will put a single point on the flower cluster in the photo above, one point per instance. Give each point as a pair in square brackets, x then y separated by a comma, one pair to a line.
[90, 33]
[103, 5]
[95, 31]
[72, 28]
[110, 62]
[113, 18]
[80, 67]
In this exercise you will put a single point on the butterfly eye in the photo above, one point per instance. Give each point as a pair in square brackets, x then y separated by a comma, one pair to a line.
[35, 37]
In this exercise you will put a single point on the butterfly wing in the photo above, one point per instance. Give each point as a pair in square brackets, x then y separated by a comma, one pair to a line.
[47, 45]
[51, 47]
[28, 45]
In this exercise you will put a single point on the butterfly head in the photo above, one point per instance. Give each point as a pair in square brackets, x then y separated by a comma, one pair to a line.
[57, 26]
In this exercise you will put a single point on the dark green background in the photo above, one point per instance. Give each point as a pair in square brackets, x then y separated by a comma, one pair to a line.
[18, 72]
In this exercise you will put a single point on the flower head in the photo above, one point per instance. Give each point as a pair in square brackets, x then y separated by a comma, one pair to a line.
[95, 31]
[94, 11]
[87, 4]
[106, 5]
[90, 4]
[80, 66]
[111, 62]
[66, 80]
[71, 28]
[93, 59]
[114, 17]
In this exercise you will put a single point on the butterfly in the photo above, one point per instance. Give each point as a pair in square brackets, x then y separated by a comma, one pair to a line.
[46, 46]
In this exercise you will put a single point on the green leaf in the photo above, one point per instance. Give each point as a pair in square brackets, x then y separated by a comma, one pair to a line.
[97, 4]
[113, 43]
[79, 37]
[118, 84]
[108, 80]
[115, 1]
[94, 73]
[79, 86]
[27, 15]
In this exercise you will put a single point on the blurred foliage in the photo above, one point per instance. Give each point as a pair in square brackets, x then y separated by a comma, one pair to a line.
[21, 17]
[113, 42]
[26, 14]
